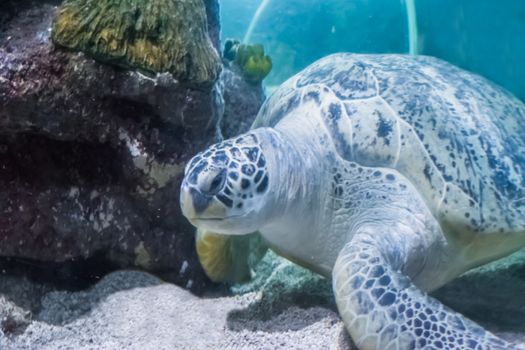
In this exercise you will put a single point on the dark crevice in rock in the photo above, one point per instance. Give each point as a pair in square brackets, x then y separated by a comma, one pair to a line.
[39, 162]
[71, 275]
[127, 109]
[9, 8]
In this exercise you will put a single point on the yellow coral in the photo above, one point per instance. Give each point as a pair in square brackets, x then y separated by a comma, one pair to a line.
[153, 36]
[254, 64]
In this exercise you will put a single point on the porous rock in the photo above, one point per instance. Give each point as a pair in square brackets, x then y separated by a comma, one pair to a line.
[93, 155]
[242, 101]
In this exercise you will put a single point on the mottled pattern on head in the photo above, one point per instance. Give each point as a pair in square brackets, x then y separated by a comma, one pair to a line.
[234, 171]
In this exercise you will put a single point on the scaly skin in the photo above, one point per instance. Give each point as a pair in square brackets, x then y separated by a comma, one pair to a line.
[383, 309]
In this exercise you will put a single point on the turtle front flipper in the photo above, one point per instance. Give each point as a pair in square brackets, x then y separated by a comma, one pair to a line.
[383, 309]
[228, 258]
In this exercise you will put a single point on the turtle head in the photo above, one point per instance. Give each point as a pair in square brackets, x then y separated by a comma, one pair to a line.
[225, 188]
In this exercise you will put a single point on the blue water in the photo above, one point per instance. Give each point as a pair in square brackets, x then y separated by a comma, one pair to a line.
[484, 36]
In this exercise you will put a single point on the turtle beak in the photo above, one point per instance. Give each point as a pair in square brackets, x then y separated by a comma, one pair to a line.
[186, 203]
[196, 205]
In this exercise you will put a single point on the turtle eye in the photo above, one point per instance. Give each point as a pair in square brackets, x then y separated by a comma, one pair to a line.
[217, 183]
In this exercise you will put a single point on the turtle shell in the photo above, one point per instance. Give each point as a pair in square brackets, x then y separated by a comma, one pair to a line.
[459, 138]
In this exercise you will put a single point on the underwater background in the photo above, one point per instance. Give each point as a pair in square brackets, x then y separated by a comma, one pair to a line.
[94, 139]
[484, 36]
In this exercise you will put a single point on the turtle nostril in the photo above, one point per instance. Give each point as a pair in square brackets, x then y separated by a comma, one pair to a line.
[217, 183]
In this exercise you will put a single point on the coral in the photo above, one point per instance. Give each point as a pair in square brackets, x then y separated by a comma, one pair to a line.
[255, 65]
[250, 59]
[151, 36]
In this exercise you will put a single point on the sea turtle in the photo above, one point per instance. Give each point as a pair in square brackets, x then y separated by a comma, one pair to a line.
[391, 174]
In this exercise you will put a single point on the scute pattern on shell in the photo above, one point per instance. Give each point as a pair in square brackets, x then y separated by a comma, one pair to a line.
[456, 136]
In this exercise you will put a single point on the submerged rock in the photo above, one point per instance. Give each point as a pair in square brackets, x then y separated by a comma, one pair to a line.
[242, 101]
[143, 35]
[249, 60]
[92, 155]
